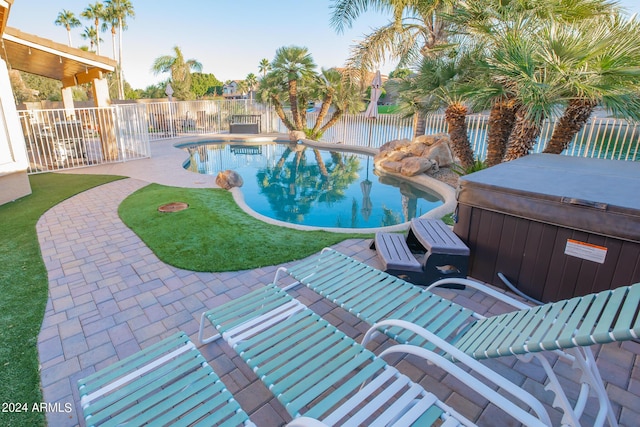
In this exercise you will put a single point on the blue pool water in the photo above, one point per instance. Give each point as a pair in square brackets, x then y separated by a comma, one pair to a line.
[288, 183]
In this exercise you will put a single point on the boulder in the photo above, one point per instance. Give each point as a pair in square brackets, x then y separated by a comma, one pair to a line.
[394, 145]
[390, 166]
[412, 166]
[441, 153]
[396, 156]
[228, 179]
[296, 135]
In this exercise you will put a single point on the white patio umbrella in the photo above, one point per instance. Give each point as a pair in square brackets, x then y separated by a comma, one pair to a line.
[376, 91]
[169, 92]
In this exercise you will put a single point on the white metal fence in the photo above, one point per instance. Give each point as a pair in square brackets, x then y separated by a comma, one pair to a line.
[169, 119]
[63, 139]
[58, 139]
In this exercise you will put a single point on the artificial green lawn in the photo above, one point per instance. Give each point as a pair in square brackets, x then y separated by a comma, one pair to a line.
[23, 290]
[214, 234]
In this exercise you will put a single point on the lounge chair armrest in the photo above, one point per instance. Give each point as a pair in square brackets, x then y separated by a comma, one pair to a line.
[306, 422]
[482, 288]
[541, 418]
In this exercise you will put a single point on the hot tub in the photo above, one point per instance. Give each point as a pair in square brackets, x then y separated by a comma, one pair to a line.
[555, 226]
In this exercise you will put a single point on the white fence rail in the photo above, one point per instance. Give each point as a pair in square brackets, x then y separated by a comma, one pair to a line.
[57, 140]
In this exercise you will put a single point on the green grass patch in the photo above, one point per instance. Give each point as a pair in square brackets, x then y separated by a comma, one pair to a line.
[388, 109]
[214, 233]
[24, 289]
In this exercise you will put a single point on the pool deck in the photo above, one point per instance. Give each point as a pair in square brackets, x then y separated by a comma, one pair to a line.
[110, 296]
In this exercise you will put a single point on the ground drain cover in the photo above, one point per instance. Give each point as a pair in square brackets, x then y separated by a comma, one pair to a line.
[173, 207]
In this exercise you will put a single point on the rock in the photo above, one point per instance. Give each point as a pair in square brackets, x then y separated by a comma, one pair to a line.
[416, 165]
[296, 135]
[228, 179]
[397, 156]
[440, 153]
[394, 145]
[418, 149]
[390, 166]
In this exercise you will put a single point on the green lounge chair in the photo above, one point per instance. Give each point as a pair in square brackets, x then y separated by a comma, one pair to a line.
[565, 327]
[166, 384]
[323, 377]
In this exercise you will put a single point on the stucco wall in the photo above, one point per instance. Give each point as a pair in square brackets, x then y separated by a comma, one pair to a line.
[13, 156]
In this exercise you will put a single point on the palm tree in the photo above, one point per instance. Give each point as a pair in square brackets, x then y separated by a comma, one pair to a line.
[520, 83]
[96, 12]
[436, 85]
[251, 81]
[293, 63]
[68, 20]
[180, 70]
[416, 30]
[117, 12]
[605, 64]
[90, 34]
[346, 99]
[272, 90]
[264, 66]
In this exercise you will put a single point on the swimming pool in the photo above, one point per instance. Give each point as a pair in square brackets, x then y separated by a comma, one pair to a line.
[302, 185]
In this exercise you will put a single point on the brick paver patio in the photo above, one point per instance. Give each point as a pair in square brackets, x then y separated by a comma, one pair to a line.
[109, 296]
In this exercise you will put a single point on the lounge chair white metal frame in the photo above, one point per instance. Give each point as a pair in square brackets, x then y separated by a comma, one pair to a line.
[166, 384]
[566, 328]
[323, 377]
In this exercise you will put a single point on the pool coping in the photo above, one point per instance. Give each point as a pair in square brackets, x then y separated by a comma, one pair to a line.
[423, 181]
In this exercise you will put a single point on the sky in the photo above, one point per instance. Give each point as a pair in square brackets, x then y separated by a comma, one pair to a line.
[228, 37]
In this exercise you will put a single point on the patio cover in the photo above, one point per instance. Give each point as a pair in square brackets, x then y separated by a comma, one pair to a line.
[44, 57]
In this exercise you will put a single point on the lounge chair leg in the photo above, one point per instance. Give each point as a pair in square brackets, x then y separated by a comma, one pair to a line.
[569, 417]
[586, 362]
[201, 338]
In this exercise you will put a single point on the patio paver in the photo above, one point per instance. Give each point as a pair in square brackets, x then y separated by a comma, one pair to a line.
[109, 296]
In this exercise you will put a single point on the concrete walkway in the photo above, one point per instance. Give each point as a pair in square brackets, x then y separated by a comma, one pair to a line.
[110, 296]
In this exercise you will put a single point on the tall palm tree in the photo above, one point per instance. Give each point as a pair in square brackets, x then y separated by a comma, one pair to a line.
[180, 70]
[264, 66]
[415, 31]
[68, 20]
[117, 12]
[96, 12]
[293, 63]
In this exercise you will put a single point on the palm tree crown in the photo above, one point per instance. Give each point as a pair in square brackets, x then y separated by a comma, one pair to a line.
[116, 13]
[96, 12]
[180, 70]
[68, 20]
[264, 66]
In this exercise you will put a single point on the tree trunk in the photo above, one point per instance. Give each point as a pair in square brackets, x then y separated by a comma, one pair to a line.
[326, 103]
[69, 35]
[293, 100]
[523, 136]
[121, 74]
[419, 124]
[320, 162]
[281, 114]
[333, 120]
[572, 121]
[456, 117]
[501, 121]
[97, 23]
